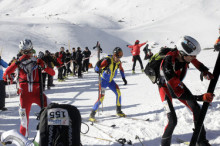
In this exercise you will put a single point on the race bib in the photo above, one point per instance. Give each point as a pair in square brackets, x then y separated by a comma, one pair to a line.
[58, 116]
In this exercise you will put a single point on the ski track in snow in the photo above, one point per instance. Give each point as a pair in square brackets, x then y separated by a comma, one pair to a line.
[140, 99]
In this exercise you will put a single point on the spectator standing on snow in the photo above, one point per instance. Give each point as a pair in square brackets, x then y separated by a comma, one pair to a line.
[86, 55]
[79, 58]
[73, 58]
[147, 52]
[135, 50]
[108, 69]
[173, 70]
[29, 83]
[68, 62]
[3, 64]
[60, 60]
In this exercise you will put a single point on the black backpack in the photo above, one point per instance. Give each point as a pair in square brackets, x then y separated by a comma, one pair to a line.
[152, 69]
[60, 125]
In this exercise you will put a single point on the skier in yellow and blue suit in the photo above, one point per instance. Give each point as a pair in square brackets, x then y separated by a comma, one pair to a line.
[108, 68]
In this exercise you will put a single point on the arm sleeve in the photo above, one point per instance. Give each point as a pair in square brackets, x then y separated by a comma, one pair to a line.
[121, 70]
[11, 69]
[140, 45]
[167, 68]
[131, 46]
[201, 67]
[3, 63]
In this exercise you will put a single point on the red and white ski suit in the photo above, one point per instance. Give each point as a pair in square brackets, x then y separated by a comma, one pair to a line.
[28, 88]
[171, 86]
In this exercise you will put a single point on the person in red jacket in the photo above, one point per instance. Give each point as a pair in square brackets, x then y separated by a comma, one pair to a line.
[135, 50]
[173, 70]
[28, 77]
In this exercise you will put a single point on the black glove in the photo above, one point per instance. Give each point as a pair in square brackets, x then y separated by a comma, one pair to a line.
[127, 45]
[125, 81]
[217, 47]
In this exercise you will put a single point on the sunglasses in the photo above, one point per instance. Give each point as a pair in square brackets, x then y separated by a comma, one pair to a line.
[28, 51]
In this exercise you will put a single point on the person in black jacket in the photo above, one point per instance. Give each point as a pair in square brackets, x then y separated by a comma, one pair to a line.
[79, 58]
[147, 52]
[48, 59]
[73, 58]
[86, 55]
[68, 59]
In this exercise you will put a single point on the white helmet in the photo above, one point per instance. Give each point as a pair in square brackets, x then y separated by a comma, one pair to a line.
[25, 45]
[188, 46]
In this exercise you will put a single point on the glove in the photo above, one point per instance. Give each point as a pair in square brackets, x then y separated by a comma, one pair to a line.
[127, 45]
[0, 57]
[125, 81]
[217, 47]
[207, 75]
[208, 97]
[40, 62]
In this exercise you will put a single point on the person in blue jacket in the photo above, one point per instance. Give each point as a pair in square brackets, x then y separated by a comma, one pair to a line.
[108, 69]
[2, 85]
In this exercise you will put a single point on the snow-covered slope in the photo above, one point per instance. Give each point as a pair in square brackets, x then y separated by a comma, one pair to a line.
[54, 23]
[51, 24]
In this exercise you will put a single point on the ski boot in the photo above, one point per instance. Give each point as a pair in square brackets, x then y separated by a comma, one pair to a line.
[119, 112]
[166, 141]
[203, 143]
[133, 72]
[92, 116]
[3, 109]
[142, 70]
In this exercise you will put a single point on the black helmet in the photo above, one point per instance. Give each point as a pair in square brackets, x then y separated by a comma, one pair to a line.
[118, 52]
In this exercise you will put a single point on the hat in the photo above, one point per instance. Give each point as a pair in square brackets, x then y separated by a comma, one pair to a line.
[137, 41]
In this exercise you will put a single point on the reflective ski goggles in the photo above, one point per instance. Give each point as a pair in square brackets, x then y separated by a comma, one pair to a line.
[188, 46]
[28, 51]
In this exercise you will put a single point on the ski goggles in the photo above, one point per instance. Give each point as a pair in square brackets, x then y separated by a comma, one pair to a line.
[28, 51]
[188, 46]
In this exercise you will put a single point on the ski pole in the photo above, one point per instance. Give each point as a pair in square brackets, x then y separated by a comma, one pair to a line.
[9, 94]
[99, 49]
[98, 138]
[41, 87]
[211, 88]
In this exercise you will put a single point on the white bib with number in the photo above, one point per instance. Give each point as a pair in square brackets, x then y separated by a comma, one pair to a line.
[58, 116]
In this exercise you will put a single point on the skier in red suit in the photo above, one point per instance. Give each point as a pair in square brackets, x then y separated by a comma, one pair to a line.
[173, 70]
[29, 83]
